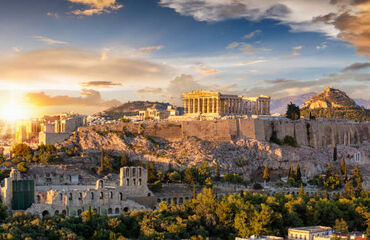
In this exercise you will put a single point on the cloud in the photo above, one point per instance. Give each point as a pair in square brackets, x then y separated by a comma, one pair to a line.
[353, 24]
[88, 97]
[321, 46]
[67, 68]
[96, 7]
[150, 49]
[104, 54]
[206, 71]
[16, 49]
[185, 83]
[348, 20]
[356, 66]
[233, 45]
[252, 34]
[253, 62]
[295, 53]
[52, 14]
[101, 84]
[297, 47]
[49, 40]
[150, 90]
[244, 47]
[278, 81]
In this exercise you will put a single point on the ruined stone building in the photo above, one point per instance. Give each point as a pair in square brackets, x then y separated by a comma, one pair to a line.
[53, 192]
[210, 103]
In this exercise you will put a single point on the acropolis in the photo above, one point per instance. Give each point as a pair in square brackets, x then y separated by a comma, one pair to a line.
[208, 103]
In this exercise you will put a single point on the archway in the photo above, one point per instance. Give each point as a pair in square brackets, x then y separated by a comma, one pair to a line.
[45, 213]
[116, 211]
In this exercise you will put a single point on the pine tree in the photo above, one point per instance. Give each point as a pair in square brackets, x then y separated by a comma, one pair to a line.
[89, 214]
[335, 154]
[329, 171]
[301, 190]
[266, 173]
[357, 181]
[194, 191]
[124, 161]
[290, 174]
[217, 172]
[342, 165]
[298, 174]
[348, 190]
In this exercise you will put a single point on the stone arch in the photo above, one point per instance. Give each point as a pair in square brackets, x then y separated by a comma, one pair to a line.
[181, 200]
[134, 182]
[64, 212]
[101, 195]
[127, 172]
[133, 172]
[79, 211]
[38, 199]
[111, 194]
[70, 196]
[127, 182]
[140, 172]
[116, 211]
[139, 182]
[101, 183]
[60, 196]
[45, 213]
[120, 196]
[56, 212]
[110, 211]
[125, 209]
[149, 194]
[80, 196]
[158, 200]
[92, 195]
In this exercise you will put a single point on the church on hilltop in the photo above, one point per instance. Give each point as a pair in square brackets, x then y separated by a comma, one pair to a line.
[215, 104]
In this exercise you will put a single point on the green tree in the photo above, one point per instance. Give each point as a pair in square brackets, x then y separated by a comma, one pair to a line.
[266, 173]
[189, 176]
[22, 152]
[105, 165]
[293, 112]
[174, 176]
[301, 191]
[194, 193]
[298, 174]
[348, 190]
[217, 172]
[335, 154]
[341, 226]
[124, 161]
[357, 180]
[22, 167]
[343, 168]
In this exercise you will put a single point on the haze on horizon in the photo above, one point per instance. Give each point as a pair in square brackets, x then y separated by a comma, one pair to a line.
[88, 55]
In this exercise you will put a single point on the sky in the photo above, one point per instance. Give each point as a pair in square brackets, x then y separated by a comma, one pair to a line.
[88, 55]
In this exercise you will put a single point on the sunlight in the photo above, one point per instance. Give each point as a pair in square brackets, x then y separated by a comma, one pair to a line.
[14, 111]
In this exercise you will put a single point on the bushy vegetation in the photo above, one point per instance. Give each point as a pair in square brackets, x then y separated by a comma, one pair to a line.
[293, 112]
[205, 216]
[359, 114]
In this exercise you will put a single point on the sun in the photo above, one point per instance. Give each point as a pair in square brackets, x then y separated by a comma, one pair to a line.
[14, 111]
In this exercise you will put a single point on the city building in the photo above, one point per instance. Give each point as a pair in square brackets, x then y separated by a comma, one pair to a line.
[27, 130]
[255, 237]
[308, 233]
[208, 103]
[50, 193]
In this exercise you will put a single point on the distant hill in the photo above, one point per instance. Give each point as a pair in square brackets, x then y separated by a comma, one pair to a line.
[334, 103]
[279, 105]
[330, 98]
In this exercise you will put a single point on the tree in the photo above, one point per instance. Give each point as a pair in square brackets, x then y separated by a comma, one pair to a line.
[22, 152]
[174, 176]
[189, 177]
[301, 191]
[357, 180]
[335, 154]
[348, 190]
[291, 172]
[329, 171]
[22, 167]
[298, 174]
[105, 165]
[194, 191]
[266, 173]
[293, 112]
[124, 161]
[341, 226]
[343, 169]
[217, 172]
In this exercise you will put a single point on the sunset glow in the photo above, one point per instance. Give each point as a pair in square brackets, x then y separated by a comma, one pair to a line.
[14, 111]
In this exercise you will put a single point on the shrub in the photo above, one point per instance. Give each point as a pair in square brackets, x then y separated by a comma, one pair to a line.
[257, 186]
[22, 167]
[289, 140]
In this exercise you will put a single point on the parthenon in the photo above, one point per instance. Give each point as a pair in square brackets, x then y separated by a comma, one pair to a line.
[210, 103]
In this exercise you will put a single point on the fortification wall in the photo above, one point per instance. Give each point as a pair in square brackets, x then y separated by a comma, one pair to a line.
[315, 133]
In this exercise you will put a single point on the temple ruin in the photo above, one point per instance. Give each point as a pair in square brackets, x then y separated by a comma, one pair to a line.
[216, 104]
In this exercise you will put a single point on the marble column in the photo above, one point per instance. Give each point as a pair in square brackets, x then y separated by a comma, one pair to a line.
[198, 110]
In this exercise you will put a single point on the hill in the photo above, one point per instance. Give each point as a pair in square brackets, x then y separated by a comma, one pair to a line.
[132, 108]
[334, 103]
[279, 105]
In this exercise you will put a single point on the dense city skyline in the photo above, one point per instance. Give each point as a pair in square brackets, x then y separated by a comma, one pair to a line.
[87, 55]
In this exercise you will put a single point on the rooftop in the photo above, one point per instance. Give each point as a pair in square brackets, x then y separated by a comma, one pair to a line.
[311, 228]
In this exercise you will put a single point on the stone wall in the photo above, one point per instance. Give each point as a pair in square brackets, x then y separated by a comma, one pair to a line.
[315, 133]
